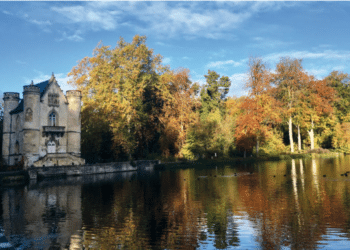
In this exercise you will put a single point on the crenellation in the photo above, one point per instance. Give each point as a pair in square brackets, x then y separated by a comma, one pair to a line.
[31, 89]
[13, 96]
[76, 93]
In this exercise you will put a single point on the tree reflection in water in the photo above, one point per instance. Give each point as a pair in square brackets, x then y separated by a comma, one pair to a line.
[191, 208]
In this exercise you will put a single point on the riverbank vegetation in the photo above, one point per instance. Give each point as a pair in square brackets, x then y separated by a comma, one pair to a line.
[136, 107]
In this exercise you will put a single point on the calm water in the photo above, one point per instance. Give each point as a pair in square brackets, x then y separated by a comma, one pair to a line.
[202, 208]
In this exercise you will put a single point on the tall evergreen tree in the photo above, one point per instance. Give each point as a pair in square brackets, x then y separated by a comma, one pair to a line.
[214, 92]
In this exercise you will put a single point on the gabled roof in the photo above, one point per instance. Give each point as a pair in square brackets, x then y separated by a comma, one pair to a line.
[19, 108]
[43, 87]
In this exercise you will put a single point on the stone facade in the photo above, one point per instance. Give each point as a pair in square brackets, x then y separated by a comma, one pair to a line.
[42, 128]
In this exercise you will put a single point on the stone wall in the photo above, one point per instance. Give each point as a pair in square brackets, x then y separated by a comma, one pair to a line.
[103, 168]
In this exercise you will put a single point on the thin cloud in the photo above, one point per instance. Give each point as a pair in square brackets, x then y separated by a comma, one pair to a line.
[97, 18]
[7, 12]
[327, 54]
[61, 79]
[220, 64]
[41, 23]
[21, 62]
[74, 37]
[263, 43]
[166, 60]
[165, 19]
[238, 81]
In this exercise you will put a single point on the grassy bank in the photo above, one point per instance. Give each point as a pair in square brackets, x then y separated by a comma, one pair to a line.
[179, 163]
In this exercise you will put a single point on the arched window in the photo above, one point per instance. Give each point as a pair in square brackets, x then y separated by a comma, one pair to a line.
[51, 147]
[52, 119]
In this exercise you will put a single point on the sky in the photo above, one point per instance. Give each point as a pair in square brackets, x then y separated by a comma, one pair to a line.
[41, 38]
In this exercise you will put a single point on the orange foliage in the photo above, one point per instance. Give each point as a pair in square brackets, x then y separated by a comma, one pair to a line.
[179, 109]
[260, 109]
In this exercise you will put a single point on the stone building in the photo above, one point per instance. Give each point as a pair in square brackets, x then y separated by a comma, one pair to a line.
[44, 127]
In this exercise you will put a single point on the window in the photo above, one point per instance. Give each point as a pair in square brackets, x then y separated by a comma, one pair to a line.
[51, 147]
[17, 123]
[29, 115]
[17, 148]
[54, 100]
[52, 119]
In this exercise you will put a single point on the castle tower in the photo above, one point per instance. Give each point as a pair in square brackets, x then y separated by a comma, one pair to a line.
[31, 122]
[11, 100]
[74, 124]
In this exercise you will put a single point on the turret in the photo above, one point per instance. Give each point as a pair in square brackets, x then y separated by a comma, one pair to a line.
[74, 122]
[31, 121]
[11, 101]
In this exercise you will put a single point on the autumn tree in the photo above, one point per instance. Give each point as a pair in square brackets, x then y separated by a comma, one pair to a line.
[178, 110]
[119, 86]
[317, 99]
[340, 82]
[260, 110]
[341, 137]
[289, 80]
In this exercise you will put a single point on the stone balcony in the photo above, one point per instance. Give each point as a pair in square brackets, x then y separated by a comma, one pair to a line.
[53, 130]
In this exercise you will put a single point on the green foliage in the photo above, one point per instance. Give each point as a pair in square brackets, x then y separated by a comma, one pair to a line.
[210, 137]
[273, 144]
[213, 93]
[119, 88]
[341, 83]
[341, 137]
[134, 107]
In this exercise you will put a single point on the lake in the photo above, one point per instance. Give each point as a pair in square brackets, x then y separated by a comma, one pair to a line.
[295, 204]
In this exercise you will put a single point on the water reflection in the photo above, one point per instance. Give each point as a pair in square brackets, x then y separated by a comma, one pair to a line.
[269, 205]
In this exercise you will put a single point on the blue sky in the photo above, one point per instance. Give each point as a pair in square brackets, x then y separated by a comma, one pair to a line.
[38, 38]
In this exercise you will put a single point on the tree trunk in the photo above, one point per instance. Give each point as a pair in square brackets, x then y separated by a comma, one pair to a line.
[291, 135]
[299, 139]
[311, 134]
[257, 147]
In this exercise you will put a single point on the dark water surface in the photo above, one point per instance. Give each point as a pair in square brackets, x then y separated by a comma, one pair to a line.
[280, 205]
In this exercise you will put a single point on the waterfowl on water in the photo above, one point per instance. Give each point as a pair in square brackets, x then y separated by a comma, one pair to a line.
[324, 175]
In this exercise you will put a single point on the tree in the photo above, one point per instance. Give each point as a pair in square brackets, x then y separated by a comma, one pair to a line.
[178, 110]
[119, 86]
[260, 110]
[318, 98]
[340, 82]
[289, 80]
[214, 92]
[341, 138]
